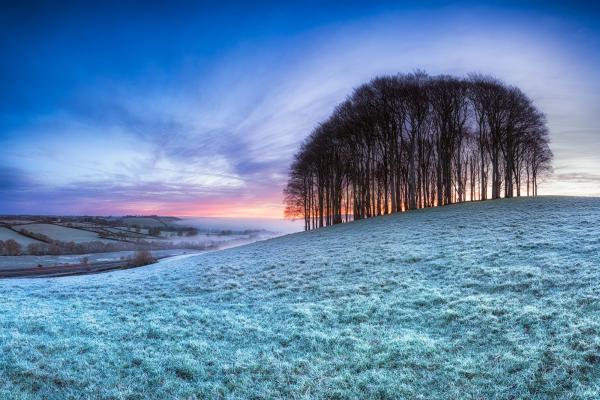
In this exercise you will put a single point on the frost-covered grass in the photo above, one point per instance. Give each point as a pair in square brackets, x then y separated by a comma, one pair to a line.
[7, 234]
[493, 300]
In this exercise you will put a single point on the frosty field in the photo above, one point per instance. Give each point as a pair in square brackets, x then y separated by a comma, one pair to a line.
[494, 300]
[63, 233]
[7, 234]
[16, 262]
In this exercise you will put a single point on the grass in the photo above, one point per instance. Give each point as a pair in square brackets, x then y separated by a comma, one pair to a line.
[494, 300]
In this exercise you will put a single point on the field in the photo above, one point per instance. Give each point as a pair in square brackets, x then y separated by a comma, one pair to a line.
[16, 262]
[146, 221]
[62, 233]
[81, 235]
[7, 234]
[491, 300]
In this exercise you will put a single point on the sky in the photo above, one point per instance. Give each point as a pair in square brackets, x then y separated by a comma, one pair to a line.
[196, 109]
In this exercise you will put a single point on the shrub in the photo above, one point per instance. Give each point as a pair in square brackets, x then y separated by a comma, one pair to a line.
[37, 249]
[142, 257]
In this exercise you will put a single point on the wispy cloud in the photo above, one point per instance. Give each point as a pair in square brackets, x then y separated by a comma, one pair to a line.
[578, 177]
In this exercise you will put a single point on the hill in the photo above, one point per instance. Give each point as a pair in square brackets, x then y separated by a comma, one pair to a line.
[496, 299]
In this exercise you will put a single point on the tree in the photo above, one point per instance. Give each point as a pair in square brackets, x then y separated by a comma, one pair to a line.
[12, 248]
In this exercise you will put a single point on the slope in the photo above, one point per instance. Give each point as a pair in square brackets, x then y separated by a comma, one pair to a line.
[499, 299]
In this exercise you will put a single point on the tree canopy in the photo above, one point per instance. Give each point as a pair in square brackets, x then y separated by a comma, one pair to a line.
[412, 141]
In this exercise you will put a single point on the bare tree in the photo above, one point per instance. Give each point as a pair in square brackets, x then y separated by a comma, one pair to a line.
[411, 141]
[12, 248]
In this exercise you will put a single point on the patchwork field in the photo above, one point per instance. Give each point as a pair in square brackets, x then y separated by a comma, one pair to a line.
[7, 234]
[64, 233]
[491, 300]
[80, 235]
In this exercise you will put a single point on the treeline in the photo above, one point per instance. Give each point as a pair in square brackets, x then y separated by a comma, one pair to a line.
[11, 247]
[412, 141]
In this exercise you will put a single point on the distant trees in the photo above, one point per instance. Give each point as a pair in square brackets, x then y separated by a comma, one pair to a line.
[412, 141]
[154, 231]
[10, 247]
[34, 235]
[37, 249]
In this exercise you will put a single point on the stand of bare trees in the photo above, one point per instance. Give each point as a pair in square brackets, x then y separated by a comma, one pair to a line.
[411, 141]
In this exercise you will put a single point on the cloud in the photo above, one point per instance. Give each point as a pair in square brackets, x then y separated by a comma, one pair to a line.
[578, 177]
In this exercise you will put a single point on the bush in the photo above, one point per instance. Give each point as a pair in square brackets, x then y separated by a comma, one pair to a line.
[142, 257]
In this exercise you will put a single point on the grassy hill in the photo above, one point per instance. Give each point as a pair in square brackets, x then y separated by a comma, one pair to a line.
[499, 299]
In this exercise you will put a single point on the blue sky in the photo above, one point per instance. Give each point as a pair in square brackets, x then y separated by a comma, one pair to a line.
[196, 109]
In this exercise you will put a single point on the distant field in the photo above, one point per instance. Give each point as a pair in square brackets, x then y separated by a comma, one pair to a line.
[486, 300]
[16, 221]
[62, 233]
[85, 225]
[144, 221]
[6, 234]
[20, 262]
[114, 234]
[128, 231]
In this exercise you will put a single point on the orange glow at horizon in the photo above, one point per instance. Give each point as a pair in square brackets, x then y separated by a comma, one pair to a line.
[256, 208]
